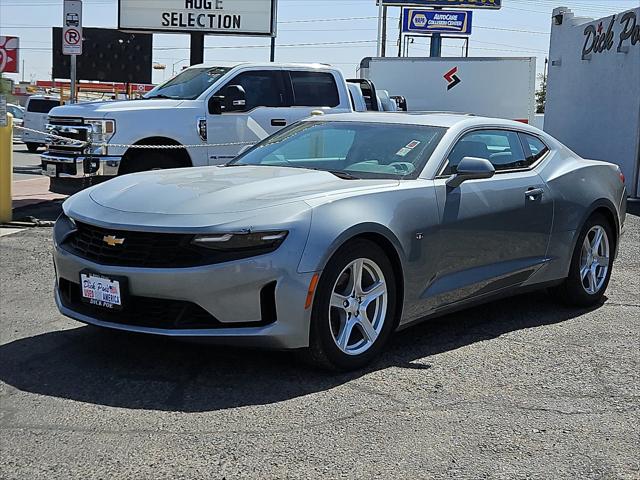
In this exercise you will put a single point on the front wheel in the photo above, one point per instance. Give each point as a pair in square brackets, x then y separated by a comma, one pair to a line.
[149, 159]
[353, 310]
[32, 147]
[591, 264]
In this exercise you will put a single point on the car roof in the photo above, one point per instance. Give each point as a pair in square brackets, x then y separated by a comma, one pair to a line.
[433, 119]
[261, 65]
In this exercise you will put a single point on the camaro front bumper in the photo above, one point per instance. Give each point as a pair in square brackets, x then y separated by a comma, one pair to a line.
[230, 295]
[79, 166]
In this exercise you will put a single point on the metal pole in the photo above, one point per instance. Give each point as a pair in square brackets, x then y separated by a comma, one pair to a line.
[384, 31]
[466, 53]
[436, 43]
[400, 32]
[380, 8]
[196, 48]
[272, 55]
[72, 92]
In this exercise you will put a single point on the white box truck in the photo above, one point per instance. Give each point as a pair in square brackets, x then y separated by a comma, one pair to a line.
[493, 87]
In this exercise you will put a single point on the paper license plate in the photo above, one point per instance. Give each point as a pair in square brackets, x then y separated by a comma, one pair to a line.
[51, 170]
[101, 291]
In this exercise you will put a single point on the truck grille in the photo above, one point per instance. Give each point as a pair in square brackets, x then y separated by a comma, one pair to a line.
[72, 128]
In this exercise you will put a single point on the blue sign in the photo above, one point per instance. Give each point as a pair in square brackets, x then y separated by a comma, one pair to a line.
[419, 20]
[490, 4]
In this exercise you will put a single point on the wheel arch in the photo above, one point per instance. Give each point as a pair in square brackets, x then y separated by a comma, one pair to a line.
[389, 244]
[181, 155]
[606, 208]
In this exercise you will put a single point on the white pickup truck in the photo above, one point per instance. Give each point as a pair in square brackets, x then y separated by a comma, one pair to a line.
[200, 108]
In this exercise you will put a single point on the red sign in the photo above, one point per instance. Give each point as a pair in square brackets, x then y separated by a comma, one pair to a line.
[9, 55]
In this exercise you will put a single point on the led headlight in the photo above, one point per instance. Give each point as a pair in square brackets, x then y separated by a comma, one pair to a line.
[63, 227]
[101, 132]
[261, 242]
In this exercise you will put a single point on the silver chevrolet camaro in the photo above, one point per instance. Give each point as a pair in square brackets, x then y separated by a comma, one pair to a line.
[336, 231]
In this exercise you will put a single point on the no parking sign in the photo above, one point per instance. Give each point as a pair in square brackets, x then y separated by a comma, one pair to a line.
[72, 28]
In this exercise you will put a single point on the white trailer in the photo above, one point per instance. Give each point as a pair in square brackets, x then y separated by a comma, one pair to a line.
[493, 87]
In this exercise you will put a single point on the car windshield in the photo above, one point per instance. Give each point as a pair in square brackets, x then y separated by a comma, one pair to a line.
[189, 84]
[349, 149]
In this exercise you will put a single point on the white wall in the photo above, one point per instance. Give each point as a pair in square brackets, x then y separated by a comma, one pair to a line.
[593, 103]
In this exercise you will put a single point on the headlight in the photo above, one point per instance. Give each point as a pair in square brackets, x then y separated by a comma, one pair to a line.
[101, 132]
[63, 227]
[258, 242]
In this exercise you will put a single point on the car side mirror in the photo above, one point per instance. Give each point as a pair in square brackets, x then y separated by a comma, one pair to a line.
[471, 168]
[215, 104]
[235, 98]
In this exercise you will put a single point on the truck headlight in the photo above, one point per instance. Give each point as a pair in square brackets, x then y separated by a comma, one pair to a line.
[101, 132]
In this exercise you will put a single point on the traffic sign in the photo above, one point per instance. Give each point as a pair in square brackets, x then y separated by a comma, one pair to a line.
[72, 28]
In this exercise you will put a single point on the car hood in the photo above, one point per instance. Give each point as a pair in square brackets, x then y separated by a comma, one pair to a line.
[108, 109]
[218, 190]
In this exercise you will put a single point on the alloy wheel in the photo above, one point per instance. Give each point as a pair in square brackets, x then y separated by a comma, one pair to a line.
[594, 259]
[358, 306]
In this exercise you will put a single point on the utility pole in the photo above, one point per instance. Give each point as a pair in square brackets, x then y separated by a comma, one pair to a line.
[400, 32]
[384, 31]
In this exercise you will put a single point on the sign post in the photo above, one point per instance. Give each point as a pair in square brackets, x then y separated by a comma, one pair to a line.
[72, 38]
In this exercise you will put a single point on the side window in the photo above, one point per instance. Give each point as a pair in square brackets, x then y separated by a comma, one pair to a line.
[37, 105]
[314, 89]
[501, 147]
[536, 148]
[263, 88]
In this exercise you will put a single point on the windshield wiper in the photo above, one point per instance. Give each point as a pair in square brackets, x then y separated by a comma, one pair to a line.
[162, 95]
[340, 174]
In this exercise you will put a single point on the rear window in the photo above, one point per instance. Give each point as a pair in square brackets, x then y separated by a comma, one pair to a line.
[314, 89]
[37, 105]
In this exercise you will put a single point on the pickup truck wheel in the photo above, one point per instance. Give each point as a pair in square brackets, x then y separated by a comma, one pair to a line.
[149, 160]
[32, 147]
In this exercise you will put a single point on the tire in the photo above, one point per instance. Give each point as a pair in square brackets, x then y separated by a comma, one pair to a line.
[149, 160]
[582, 288]
[330, 324]
[32, 147]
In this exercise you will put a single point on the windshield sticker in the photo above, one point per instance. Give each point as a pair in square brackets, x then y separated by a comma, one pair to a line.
[403, 151]
[412, 144]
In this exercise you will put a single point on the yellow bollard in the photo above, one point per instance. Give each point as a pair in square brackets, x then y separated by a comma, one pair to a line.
[6, 169]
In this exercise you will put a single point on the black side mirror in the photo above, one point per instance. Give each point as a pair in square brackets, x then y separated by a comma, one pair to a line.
[235, 99]
[215, 104]
[471, 168]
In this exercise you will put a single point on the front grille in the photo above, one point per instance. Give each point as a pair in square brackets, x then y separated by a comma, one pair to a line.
[160, 312]
[72, 128]
[141, 311]
[140, 249]
[147, 249]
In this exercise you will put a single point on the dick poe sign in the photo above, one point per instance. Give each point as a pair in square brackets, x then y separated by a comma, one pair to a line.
[72, 27]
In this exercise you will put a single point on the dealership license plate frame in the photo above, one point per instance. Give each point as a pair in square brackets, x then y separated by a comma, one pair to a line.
[123, 289]
[51, 170]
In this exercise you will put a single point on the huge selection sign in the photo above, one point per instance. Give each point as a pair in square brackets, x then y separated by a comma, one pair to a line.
[9, 62]
[419, 20]
[213, 17]
[72, 27]
[490, 4]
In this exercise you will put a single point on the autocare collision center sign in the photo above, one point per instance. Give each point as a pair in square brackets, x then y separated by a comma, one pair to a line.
[419, 20]
[491, 4]
[214, 17]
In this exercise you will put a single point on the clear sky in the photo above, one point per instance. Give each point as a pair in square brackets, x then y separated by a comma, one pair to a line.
[341, 32]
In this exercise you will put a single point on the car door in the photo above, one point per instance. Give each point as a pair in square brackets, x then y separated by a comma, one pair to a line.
[265, 103]
[493, 232]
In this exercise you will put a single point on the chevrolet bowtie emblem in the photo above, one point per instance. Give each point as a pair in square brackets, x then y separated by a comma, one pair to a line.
[112, 241]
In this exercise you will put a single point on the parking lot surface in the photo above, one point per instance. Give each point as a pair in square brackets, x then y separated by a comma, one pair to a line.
[520, 388]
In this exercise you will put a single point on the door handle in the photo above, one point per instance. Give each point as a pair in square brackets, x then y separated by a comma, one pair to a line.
[533, 193]
[278, 122]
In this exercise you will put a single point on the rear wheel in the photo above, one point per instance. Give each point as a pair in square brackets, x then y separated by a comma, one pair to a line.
[591, 263]
[149, 160]
[32, 147]
[352, 316]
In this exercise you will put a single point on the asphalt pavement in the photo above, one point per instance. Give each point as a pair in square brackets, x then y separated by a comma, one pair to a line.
[26, 165]
[517, 389]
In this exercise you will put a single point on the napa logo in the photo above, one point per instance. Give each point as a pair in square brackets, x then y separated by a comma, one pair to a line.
[419, 20]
